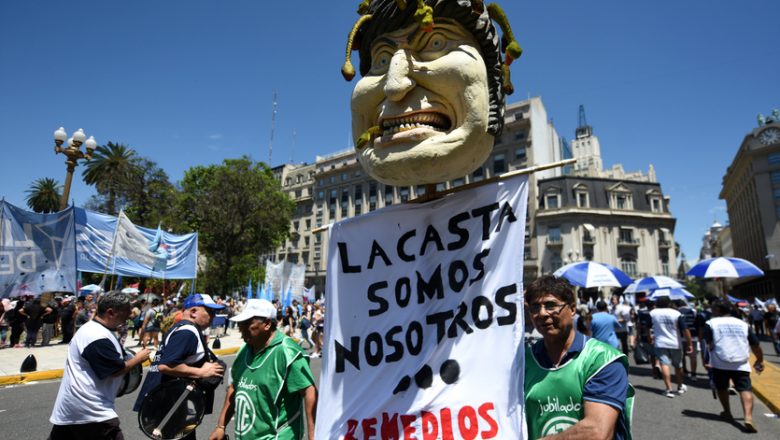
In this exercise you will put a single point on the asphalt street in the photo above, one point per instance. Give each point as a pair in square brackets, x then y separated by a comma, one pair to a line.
[25, 410]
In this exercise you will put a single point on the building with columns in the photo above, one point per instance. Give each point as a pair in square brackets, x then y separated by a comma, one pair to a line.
[751, 189]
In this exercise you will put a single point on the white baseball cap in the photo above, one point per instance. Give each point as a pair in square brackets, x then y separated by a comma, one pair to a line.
[256, 308]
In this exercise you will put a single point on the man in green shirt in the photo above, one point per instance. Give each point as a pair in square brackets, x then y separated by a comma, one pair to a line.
[272, 384]
[575, 387]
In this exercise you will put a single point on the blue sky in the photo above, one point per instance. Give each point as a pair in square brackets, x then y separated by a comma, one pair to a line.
[674, 83]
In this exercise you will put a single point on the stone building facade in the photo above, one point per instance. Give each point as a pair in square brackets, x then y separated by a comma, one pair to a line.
[751, 189]
[620, 222]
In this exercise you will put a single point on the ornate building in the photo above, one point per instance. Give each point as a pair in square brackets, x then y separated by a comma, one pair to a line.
[751, 189]
[610, 216]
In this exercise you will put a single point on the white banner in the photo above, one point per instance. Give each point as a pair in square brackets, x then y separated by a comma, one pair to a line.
[274, 280]
[297, 277]
[131, 243]
[284, 276]
[424, 327]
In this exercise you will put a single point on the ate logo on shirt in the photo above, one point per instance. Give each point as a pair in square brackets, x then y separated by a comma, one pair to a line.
[245, 413]
[557, 425]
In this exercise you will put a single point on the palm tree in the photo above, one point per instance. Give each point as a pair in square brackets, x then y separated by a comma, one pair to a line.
[44, 195]
[111, 170]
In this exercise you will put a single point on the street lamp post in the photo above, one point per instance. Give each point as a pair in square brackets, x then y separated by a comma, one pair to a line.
[73, 153]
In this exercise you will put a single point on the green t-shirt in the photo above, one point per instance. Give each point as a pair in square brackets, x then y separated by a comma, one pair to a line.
[268, 403]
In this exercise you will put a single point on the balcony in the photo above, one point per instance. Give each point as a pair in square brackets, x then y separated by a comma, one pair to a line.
[633, 242]
[554, 241]
[664, 244]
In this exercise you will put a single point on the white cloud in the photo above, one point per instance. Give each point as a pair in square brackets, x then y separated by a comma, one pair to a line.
[215, 136]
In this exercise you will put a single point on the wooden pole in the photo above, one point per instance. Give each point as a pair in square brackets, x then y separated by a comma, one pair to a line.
[505, 176]
[432, 194]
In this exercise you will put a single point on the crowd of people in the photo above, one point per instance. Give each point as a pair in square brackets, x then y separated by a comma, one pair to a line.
[96, 362]
[676, 336]
[582, 343]
[28, 322]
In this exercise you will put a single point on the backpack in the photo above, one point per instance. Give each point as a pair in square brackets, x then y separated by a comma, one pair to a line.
[158, 317]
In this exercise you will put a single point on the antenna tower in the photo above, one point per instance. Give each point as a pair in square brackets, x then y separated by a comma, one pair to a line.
[583, 129]
[273, 127]
[292, 150]
[583, 121]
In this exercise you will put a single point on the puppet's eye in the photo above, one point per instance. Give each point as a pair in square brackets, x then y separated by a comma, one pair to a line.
[437, 42]
[380, 60]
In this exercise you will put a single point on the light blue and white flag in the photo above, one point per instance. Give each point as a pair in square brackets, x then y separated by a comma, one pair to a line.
[95, 235]
[37, 252]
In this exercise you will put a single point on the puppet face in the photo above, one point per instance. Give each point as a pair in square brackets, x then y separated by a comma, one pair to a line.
[428, 93]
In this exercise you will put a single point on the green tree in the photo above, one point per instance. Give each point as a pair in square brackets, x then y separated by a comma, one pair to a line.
[239, 211]
[150, 195]
[44, 195]
[112, 169]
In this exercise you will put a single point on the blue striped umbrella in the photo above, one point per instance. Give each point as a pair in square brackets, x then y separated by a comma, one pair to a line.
[725, 267]
[672, 293]
[648, 284]
[590, 274]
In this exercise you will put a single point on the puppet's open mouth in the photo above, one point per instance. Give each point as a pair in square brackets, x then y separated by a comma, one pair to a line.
[430, 120]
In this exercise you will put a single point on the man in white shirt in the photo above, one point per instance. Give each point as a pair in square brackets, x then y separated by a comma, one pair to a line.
[730, 341]
[94, 368]
[668, 330]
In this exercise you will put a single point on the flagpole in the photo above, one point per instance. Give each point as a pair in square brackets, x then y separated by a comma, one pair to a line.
[113, 274]
[111, 253]
[2, 222]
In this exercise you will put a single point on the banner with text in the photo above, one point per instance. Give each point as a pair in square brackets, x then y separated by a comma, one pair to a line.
[37, 252]
[95, 239]
[425, 320]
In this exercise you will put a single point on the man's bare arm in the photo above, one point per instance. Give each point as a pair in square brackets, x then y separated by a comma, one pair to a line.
[310, 407]
[225, 415]
[598, 423]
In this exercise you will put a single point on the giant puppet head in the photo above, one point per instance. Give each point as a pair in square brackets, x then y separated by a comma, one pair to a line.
[431, 95]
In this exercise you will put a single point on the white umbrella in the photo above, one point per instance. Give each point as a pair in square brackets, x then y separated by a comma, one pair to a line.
[678, 293]
[725, 267]
[130, 290]
[651, 283]
[590, 274]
